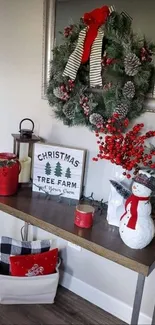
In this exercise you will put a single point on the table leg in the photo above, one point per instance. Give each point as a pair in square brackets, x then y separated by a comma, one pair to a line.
[25, 237]
[138, 299]
[153, 317]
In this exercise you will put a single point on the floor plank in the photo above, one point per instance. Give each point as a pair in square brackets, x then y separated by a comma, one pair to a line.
[69, 309]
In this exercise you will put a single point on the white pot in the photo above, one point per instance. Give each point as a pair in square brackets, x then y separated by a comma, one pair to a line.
[115, 200]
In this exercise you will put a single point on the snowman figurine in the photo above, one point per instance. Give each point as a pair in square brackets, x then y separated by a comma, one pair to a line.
[136, 225]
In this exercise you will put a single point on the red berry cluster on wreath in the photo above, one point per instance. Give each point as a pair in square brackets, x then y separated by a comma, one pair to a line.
[145, 55]
[68, 30]
[107, 86]
[127, 150]
[84, 104]
[107, 61]
[66, 89]
[71, 84]
[65, 94]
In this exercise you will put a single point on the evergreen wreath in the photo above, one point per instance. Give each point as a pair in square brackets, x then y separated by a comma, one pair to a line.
[126, 73]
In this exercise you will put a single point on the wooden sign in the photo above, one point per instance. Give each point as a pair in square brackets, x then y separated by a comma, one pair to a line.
[58, 170]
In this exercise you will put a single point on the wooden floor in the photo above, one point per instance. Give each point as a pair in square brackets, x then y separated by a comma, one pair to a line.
[69, 309]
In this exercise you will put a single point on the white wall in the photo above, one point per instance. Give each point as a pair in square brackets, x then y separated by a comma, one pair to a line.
[20, 96]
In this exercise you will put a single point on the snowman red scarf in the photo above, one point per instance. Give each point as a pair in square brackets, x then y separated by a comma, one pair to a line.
[134, 200]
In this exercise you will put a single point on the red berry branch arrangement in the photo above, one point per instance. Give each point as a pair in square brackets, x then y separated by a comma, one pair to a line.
[127, 150]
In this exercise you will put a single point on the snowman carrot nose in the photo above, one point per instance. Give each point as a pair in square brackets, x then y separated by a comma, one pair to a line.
[134, 187]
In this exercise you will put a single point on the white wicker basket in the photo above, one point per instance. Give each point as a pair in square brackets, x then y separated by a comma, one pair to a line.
[29, 290]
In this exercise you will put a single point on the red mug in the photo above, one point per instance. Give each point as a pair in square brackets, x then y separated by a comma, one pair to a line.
[84, 215]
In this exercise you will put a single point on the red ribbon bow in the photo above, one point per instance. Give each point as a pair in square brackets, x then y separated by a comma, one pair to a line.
[93, 20]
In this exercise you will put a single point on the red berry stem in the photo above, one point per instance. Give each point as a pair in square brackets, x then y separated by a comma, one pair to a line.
[126, 150]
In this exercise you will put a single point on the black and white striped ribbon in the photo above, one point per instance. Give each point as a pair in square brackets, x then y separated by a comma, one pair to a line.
[95, 60]
[75, 58]
[111, 9]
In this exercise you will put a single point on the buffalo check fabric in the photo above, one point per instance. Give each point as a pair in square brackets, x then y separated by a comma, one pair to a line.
[10, 246]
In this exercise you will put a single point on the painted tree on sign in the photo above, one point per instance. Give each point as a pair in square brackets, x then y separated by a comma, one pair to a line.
[68, 173]
[58, 170]
[48, 169]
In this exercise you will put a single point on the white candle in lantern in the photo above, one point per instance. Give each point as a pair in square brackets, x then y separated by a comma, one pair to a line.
[23, 151]
[24, 176]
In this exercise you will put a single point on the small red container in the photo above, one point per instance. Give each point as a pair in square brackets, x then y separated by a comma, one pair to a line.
[9, 173]
[84, 216]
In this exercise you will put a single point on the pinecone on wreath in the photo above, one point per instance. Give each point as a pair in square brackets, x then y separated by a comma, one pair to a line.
[129, 90]
[131, 64]
[96, 119]
[121, 110]
[58, 92]
[68, 111]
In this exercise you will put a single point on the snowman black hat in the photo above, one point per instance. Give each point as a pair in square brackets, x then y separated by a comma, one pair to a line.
[145, 178]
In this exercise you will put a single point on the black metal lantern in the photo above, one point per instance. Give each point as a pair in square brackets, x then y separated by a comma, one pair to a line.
[23, 149]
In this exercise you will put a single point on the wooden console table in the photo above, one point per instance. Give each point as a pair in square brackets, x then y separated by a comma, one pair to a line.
[102, 239]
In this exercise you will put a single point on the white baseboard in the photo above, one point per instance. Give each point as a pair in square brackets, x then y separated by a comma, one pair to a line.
[101, 299]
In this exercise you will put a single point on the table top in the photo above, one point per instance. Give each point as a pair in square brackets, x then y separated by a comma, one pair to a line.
[58, 218]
